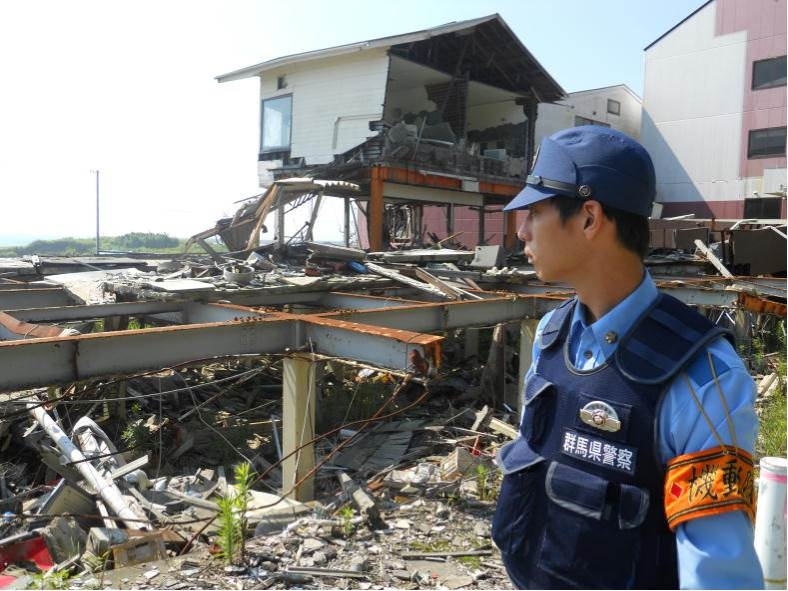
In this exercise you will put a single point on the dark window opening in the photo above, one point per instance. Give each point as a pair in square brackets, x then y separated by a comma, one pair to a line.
[613, 107]
[763, 208]
[768, 73]
[276, 124]
[765, 143]
[281, 83]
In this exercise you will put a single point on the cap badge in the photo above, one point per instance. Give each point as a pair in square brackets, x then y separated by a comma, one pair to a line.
[600, 415]
[584, 191]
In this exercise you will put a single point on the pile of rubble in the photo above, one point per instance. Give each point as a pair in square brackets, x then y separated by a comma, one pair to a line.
[121, 484]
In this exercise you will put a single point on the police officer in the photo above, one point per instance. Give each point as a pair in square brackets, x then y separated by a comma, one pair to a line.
[632, 468]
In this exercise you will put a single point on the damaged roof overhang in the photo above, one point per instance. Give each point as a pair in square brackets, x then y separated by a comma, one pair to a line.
[491, 54]
[501, 58]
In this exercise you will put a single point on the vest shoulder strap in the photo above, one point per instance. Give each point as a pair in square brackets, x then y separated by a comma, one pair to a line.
[664, 340]
[556, 323]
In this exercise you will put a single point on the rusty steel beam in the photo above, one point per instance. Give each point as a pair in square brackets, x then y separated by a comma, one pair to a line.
[13, 329]
[49, 361]
[761, 305]
[442, 316]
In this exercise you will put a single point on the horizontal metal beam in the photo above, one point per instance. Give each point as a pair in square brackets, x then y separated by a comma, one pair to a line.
[41, 297]
[92, 311]
[43, 362]
[698, 296]
[441, 316]
[353, 301]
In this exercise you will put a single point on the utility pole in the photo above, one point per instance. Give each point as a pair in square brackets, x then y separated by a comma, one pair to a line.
[96, 172]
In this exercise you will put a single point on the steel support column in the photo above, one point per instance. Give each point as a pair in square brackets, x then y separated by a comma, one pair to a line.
[375, 211]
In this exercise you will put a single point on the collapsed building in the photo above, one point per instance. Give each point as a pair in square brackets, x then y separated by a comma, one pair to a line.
[381, 373]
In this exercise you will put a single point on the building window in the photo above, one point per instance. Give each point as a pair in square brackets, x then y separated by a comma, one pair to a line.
[768, 73]
[585, 121]
[766, 143]
[613, 107]
[276, 122]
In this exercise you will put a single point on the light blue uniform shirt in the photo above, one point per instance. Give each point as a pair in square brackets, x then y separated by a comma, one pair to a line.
[714, 552]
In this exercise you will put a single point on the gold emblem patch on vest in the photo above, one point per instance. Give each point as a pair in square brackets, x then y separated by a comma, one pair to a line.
[600, 415]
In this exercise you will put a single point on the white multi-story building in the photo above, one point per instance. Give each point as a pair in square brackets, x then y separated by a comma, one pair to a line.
[611, 106]
[714, 111]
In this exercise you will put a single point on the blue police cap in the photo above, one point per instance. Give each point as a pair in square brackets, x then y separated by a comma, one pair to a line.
[591, 162]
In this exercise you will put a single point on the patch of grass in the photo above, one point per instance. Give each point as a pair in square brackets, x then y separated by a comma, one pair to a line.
[771, 439]
[431, 546]
[772, 435]
[472, 562]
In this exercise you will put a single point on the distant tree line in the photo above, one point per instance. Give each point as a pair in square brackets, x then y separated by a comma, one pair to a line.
[133, 241]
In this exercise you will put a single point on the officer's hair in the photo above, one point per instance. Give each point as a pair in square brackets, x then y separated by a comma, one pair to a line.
[631, 229]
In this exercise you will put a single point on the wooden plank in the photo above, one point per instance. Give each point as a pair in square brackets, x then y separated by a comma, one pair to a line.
[713, 259]
[397, 276]
[451, 291]
[363, 500]
[266, 202]
[499, 426]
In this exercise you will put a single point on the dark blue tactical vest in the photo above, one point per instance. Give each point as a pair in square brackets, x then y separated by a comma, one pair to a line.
[582, 505]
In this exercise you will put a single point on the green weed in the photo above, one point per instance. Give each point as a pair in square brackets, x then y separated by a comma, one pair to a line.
[346, 515]
[486, 483]
[232, 516]
[51, 580]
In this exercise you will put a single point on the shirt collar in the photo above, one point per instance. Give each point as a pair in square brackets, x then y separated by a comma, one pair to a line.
[618, 320]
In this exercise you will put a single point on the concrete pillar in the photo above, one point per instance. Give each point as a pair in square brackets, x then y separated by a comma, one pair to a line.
[527, 335]
[298, 424]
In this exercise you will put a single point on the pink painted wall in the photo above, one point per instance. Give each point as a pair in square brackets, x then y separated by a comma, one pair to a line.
[466, 220]
[765, 23]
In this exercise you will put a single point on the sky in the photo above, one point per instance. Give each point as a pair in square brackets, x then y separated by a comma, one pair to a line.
[128, 88]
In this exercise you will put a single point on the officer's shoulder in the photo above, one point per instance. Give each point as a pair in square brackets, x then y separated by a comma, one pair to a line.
[718, 353]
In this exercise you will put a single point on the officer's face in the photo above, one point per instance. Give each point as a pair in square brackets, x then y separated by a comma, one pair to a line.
[553, 247]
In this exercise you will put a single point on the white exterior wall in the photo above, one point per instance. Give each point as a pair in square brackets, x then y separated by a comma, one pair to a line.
[334, 99]
[692, 111]
[591, 104]
[552, 117]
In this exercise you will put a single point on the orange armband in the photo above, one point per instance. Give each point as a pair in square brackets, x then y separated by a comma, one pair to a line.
[709, 482]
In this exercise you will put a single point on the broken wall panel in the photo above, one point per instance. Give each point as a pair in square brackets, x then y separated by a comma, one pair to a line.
[758, 252]
[678, 234]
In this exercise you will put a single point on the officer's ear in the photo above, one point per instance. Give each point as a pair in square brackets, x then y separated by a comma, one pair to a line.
[592, 217]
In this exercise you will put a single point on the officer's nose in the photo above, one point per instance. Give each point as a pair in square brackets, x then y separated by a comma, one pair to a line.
[524, 231]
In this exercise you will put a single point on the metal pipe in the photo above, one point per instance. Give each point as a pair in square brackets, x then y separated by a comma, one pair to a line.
[108, 491]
